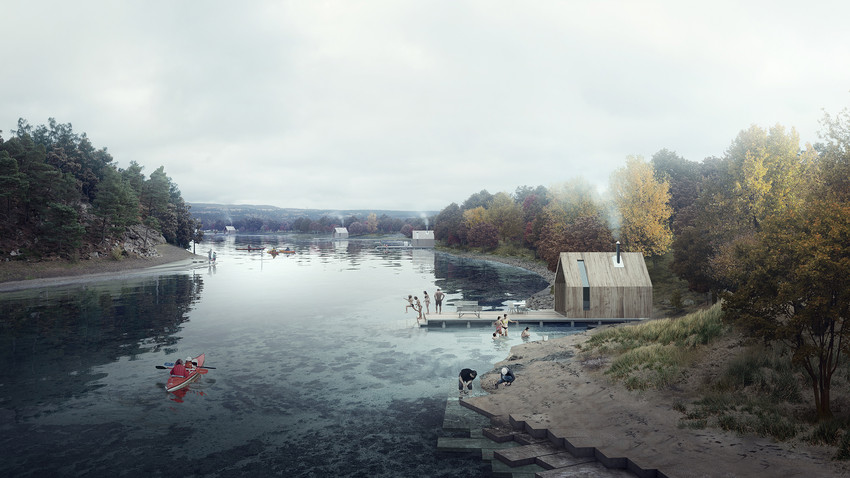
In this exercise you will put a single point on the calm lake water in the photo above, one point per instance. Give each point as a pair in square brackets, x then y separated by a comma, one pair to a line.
[318, 369]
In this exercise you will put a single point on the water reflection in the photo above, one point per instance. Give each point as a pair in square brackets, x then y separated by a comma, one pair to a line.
[319, 371]
[65, 333]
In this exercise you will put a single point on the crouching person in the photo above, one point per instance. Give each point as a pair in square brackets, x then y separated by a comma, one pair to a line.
[507, 377]
[465, 380]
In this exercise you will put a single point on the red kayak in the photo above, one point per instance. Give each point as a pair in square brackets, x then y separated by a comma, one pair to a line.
[176, 383]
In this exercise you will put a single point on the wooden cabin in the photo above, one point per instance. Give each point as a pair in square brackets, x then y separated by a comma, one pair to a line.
[340, 233]
[598, 285]
[422, 239]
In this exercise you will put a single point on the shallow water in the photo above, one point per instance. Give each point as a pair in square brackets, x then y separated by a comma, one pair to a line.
[318, 369]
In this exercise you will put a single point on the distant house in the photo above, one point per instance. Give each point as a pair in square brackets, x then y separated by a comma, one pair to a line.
[422, 239]
[229, 230]
[603, 285]
[340, 233]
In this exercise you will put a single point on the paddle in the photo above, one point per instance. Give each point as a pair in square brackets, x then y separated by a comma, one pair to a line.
[170, 364]
[202, 370]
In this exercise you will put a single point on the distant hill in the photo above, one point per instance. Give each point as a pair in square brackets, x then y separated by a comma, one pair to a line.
[210, 213]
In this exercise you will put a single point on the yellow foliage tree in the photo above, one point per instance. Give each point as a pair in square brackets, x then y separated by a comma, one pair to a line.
[475, 216]
[643, 204]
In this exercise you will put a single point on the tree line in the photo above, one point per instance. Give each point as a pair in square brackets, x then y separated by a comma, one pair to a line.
[61, 196]
[765, 227]
[370, 224]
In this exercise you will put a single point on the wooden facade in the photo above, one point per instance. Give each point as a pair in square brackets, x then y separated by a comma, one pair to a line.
[593, 285]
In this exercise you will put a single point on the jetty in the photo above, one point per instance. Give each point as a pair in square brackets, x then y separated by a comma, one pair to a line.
[528, 317]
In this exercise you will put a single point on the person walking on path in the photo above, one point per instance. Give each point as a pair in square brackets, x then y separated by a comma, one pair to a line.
[438, 301]
[465, 380]
[507, 377]
[427, 302]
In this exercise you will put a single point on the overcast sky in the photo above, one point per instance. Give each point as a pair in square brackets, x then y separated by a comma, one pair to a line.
[414, 105]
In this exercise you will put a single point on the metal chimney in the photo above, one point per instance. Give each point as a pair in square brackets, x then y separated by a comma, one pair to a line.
[618, 252]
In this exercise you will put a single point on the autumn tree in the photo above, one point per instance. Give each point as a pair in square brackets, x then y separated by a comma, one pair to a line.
[480, 199]
[371, 223]
[682, 175]
[790, 279]
[475, 216]
[791, 287]
[484, 235]
[642, 202]
[506, 215]
[447, 225]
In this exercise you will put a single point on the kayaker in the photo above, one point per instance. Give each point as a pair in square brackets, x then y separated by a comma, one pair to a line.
[179, 369]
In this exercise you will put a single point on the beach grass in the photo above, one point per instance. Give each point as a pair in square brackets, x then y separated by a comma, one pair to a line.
[651, 355]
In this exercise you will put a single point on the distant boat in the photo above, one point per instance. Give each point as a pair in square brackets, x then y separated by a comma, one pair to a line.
[249, 248]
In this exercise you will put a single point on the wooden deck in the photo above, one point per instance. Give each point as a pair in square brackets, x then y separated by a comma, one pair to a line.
[531, 317]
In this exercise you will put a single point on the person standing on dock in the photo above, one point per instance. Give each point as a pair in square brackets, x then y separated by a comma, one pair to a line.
[465, 380]
[427, 302]
[438, 301]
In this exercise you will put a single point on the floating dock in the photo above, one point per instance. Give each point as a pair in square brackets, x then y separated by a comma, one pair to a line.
[530, 317]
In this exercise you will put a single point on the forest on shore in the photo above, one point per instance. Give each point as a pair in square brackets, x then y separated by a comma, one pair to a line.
[61, 197]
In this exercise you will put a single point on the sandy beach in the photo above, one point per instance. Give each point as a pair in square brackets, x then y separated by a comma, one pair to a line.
[555, 391]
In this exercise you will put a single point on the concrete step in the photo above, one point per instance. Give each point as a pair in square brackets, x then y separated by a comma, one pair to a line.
[463, 445]
[585, 470]
[561, 459]
[461, 419]
[526, 454]
[500, 469]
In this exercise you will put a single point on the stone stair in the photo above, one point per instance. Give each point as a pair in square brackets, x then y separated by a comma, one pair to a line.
[519, 451]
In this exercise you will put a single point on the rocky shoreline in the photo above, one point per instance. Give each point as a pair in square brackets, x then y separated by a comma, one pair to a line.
[541, 300]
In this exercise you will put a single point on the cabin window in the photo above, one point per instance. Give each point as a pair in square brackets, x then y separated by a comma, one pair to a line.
[585, 284]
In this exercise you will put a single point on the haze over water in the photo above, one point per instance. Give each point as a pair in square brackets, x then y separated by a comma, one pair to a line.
[318, 369]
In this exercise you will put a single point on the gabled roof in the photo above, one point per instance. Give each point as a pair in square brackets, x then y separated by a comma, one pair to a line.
[602, 270]
[340, 230]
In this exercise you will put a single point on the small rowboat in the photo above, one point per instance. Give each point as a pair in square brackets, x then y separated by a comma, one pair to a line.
[176, 383]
